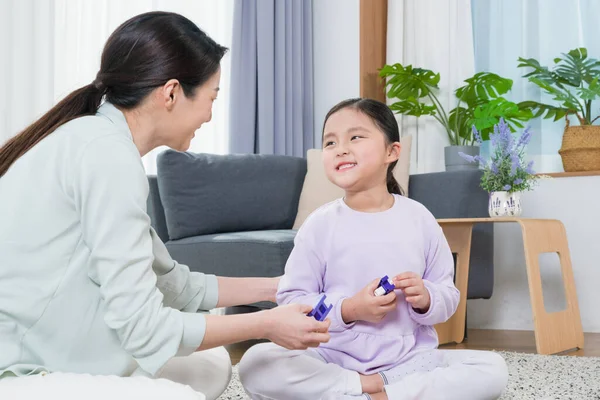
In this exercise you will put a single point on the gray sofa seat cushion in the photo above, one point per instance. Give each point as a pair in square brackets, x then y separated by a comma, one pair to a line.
[239, 254]
[208, 193]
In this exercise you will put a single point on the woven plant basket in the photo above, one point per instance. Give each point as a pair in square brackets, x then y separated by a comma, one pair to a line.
[580, 150]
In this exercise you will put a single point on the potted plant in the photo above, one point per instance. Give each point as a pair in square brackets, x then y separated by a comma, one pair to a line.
[573, 84]
[506, 174]
[479, 103]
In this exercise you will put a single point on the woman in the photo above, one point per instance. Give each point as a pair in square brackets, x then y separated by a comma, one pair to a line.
[91, 304]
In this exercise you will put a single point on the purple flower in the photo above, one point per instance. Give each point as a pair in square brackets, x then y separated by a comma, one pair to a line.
[518, 181]
[505, 139]
[494, 136]
[529, 168]
[466, 157]
[514, 164]
[477, 135]
[525, 137]
[494, 168]
[506, 187]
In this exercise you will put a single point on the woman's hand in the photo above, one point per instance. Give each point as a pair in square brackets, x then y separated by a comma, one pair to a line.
[365, 306]
[414, 290]
[289, 327]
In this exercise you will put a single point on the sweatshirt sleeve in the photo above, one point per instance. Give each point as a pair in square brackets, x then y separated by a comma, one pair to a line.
[182, 289]
[438, 277]
[110, 191]
[303, 280]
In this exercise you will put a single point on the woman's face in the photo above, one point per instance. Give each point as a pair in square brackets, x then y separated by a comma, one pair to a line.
[189, 113]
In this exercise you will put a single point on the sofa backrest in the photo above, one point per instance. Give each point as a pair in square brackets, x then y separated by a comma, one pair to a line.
[207, 193]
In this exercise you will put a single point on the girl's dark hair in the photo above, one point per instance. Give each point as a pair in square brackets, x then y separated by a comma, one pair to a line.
[140, 55]
[385, 120]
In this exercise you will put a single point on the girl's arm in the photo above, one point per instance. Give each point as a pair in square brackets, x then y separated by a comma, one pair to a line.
[303, 281]
[438, 277]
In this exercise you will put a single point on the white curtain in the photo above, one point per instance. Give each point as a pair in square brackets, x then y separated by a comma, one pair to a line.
[505, 30]
[55, 47]
[435, 35]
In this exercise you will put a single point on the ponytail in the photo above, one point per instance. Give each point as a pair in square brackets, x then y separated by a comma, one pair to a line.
[83, 101]
[392, 184]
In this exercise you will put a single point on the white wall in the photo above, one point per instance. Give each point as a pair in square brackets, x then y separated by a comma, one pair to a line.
[574, 201]
[336, 46]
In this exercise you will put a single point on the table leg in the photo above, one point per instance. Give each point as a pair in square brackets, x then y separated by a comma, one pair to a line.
[458, 236]
[558, 331]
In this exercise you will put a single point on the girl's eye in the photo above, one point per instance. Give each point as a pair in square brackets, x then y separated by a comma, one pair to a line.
[355, 137]
[327, 144]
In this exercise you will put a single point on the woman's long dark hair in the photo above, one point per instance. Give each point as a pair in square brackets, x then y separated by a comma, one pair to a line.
[142, 54]
[384, 118]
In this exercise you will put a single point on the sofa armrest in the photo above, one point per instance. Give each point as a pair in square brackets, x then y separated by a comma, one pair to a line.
[457, 194]
[156, 211]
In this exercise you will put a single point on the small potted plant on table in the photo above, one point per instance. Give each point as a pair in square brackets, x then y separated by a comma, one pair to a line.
[506, 174]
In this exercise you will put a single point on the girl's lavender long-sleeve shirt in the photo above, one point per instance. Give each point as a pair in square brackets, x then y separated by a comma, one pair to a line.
[338, 251]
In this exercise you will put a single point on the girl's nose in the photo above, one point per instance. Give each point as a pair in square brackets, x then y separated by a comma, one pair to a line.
[342, 150]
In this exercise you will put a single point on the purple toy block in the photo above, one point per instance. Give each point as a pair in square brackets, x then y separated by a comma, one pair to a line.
[321, 310]
[385, 286]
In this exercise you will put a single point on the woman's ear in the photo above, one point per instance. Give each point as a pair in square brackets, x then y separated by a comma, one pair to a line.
[394, 152]
[169, 93]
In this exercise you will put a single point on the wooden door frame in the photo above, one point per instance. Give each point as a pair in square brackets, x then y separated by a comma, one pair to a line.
[373, 33]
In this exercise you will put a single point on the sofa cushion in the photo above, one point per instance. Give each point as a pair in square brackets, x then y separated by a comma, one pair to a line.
[318, 190]
[208, 193]
[240, 254]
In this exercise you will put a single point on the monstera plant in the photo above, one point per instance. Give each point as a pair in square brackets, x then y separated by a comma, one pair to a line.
[478, 103]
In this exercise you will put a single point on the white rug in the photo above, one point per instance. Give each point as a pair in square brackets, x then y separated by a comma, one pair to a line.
[532, 377]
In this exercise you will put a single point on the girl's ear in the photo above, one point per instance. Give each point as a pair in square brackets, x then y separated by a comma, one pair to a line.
[393, 153]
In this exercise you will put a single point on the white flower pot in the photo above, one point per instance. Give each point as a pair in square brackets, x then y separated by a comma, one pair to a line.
[505, 204]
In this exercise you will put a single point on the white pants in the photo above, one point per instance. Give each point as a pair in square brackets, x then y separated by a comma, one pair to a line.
[270, 372]
[203, 375]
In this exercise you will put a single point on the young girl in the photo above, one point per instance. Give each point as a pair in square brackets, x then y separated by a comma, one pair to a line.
[381, 347]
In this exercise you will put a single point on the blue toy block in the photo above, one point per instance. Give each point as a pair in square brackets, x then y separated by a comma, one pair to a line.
[321, 310]
[385, 286]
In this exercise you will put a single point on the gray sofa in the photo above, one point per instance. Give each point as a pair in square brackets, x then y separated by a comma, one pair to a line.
[232, 215]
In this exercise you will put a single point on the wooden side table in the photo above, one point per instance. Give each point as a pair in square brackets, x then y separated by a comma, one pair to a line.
[554, 332]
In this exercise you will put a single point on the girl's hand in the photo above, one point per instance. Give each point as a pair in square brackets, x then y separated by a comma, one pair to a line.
[365, 306]
[414, 290]
[289, 327]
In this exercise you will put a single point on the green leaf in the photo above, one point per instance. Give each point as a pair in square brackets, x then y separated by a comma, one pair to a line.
[461, 116]
[482, 87]
[408, 82]
[592, 92]
[489, 114]
[412, 106]
[546, 111]
[563, 97]
[566, 84]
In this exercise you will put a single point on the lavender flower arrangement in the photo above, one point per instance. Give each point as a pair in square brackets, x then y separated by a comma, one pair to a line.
[506, 170]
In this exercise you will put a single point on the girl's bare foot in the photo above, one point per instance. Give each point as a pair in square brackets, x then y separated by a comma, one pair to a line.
[371, 383]
[379, 396]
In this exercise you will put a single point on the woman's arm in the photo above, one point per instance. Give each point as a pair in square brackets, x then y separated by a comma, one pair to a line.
[287, 326]
[238, 291]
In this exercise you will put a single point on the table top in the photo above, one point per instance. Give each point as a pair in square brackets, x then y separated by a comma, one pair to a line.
[482, 220]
